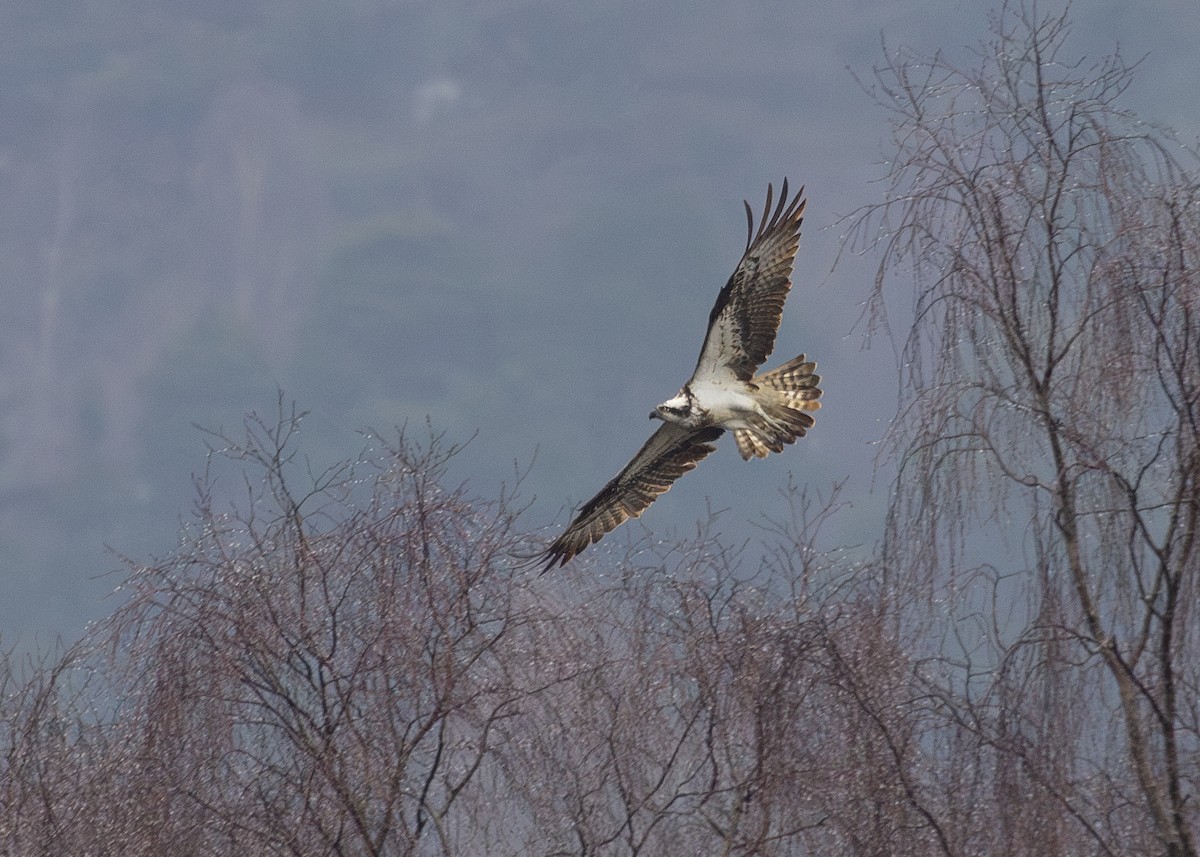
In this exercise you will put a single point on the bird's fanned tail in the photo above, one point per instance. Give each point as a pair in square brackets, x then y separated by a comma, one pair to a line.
[785, 413]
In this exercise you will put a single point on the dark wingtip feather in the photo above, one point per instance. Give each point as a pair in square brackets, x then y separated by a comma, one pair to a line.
[552, 560]
[783, 203]
[558, 554]
[784, 209]
[762, 223]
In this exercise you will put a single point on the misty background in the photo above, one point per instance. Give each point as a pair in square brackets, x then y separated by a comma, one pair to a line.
[506, 219]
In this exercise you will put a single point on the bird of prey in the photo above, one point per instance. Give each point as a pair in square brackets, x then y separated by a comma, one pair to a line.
[764, 412]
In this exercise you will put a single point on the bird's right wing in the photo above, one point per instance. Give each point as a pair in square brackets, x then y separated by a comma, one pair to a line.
[669, 453]
[746, 315]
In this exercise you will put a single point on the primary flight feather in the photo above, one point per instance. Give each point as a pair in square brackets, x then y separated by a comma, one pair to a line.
[764, 412]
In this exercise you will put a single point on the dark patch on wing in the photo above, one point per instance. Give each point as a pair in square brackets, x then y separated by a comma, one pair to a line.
[750, 306]
[669, 453]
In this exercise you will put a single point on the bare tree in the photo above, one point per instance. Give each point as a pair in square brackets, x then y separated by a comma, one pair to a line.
[711, 707]
[359, 668]
[316, 672]
[351, 662]
[1051, 415]
[36, 742]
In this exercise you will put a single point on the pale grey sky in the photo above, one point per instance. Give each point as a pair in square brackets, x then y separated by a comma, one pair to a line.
[510, 217]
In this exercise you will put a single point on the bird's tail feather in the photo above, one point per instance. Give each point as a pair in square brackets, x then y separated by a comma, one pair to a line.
[785, 417]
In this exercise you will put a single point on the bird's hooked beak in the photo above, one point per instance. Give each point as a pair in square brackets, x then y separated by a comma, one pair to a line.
[655, 415]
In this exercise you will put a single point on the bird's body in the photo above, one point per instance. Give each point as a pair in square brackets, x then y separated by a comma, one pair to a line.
[764, 412]
[713, 401]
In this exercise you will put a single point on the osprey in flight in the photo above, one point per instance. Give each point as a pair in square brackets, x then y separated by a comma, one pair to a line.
[764, 412]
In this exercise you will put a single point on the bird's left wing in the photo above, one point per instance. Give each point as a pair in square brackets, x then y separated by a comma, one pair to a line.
[746, 316]
[669, 453]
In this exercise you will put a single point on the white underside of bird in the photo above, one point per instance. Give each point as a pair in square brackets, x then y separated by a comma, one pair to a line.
[727, 403]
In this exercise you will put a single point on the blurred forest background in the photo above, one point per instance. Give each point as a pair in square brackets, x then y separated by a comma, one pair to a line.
[508, 217]
[392, 211]
[421, 223]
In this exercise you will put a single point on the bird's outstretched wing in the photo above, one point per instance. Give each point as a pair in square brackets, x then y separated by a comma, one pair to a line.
[669, 453]
[746, 316]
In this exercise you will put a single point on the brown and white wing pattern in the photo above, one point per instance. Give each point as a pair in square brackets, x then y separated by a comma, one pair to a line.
[669, 453]
[746, 316]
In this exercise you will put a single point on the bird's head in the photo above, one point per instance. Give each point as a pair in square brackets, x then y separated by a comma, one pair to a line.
[676, 410]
